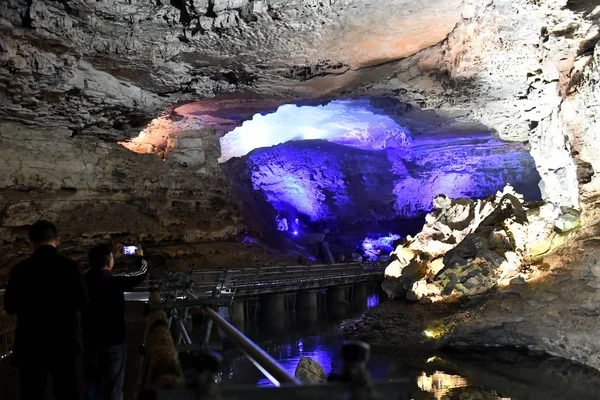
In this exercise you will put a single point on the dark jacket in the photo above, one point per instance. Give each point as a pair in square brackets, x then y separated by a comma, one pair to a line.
[45, 292]
[103, 322]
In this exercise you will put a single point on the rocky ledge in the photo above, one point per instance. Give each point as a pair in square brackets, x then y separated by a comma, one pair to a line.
[550, 304]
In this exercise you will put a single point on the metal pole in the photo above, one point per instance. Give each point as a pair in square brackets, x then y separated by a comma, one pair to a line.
[184, 334]
[207, 332]
[263, 361]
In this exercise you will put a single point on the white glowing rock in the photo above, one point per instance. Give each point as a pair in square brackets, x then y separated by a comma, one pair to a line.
[394, 269]
[510, 267]
[348, 122]
[417, 291]
[508, 189]
[441, 202]
[436, 265]
[519, 234]
[421, 289]
[404, 255]
[436, 248]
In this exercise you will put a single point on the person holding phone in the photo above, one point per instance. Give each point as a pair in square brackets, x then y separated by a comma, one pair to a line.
[103, 322]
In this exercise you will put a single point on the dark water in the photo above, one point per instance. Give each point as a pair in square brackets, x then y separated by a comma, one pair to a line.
[497, 374]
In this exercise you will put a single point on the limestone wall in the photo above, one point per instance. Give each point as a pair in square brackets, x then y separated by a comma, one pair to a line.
[92, 189]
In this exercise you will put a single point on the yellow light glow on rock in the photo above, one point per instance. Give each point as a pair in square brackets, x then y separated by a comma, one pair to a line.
[154, 137]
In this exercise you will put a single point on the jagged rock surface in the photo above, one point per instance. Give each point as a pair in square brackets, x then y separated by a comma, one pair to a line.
[328, 182]
[92, 189]
[467, 247]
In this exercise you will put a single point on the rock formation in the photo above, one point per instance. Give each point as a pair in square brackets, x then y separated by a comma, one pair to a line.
[325, 182]
[309, 371]
[469, 247]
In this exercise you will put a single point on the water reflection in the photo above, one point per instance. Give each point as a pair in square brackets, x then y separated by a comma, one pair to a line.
[498, 375]
[300, 333]
[372, 300]
[440, 383]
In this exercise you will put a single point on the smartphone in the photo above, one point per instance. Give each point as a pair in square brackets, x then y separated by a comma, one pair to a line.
[129, 250]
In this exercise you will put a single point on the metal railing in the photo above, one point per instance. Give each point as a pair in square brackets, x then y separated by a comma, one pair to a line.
[159, 349]
[353, 382]
[261, 359]
[261, 280]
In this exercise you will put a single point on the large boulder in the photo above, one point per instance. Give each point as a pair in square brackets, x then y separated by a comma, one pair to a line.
[468, 247]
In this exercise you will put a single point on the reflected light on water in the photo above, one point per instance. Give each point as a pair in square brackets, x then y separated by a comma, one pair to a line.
[319, 350]
[372, 300]
[440, 383]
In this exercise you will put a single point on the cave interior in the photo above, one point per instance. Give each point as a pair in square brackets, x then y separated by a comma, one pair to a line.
[455, 141]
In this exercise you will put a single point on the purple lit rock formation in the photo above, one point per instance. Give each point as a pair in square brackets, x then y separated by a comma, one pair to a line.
[323, 181]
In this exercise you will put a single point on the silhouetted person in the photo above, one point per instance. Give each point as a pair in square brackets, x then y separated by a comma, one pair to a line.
[45, 292]
[103, 322]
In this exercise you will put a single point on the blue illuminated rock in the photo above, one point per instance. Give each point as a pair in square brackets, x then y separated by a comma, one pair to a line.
[324, 181]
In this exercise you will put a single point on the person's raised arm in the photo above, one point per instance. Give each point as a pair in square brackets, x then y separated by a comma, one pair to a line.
[128, 281]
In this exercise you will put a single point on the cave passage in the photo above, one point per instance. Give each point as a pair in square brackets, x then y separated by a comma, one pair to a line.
[349, 169]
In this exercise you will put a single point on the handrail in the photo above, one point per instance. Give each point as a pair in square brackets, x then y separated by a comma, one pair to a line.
[268, 278]
[262, 360]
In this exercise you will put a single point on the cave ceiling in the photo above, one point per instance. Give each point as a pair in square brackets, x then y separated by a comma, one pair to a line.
[107, 68]
[113, 65]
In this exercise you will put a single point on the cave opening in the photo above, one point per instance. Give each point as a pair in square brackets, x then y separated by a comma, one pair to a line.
[358, 173]
[361, 174]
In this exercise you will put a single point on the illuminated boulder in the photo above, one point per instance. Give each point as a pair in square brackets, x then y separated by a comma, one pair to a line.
[467, 247]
